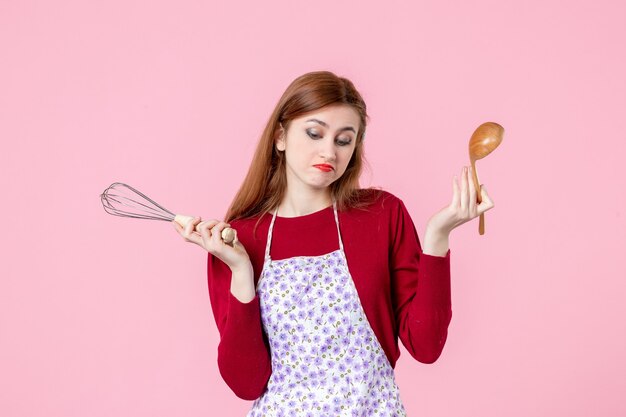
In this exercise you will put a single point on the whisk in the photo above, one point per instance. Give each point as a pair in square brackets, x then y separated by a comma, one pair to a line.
[122, 200]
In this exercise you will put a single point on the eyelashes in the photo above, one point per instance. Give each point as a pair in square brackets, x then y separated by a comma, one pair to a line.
[340, 142]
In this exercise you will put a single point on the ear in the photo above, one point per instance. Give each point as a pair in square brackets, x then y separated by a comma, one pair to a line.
[279, 139]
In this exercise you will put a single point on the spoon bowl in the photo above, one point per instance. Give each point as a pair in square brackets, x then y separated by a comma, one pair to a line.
[484, 140]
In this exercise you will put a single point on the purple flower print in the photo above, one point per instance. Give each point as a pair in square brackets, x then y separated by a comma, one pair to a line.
[342, 344]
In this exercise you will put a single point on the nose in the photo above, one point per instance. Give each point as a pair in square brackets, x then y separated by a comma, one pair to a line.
[327, 149]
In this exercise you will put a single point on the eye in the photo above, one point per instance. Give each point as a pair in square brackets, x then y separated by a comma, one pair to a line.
[344, 142]
[312, 134]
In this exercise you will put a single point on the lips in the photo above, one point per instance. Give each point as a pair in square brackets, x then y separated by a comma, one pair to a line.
[324, 167]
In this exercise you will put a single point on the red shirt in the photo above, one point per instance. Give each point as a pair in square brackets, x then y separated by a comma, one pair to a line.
[404, 292]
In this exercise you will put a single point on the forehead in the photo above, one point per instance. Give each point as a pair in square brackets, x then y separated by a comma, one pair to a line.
[335, 116]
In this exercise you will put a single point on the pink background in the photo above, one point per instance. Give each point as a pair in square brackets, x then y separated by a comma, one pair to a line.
[107, 316]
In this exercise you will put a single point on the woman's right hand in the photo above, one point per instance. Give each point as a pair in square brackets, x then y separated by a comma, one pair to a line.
[209, 237]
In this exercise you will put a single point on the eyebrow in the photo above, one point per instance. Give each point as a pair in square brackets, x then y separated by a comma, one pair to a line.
[326, 125]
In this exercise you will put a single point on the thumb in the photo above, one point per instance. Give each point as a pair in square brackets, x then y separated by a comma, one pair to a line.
[485, 196]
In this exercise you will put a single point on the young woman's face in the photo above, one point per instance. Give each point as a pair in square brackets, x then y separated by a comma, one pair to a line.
[319, 145]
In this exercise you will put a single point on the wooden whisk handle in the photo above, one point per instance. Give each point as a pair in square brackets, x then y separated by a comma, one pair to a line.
[228, 234]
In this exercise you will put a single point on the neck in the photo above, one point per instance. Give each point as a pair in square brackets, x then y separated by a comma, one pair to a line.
[303, 203]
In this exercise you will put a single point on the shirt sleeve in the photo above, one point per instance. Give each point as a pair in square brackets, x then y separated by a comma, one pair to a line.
[420, 291]
[243, 356]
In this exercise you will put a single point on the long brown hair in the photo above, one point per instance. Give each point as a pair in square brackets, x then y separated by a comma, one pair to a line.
[264, 186]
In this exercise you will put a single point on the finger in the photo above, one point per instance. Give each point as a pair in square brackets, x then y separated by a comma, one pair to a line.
[187, 232]
[190, 226]
[204, 227]
[487, 202]
[464, 190]
[216, 232]
[456, 193]
[472, 202]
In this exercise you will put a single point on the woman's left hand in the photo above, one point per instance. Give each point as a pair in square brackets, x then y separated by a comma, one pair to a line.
[464, 206]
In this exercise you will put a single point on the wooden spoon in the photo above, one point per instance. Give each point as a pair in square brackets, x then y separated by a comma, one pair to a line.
[485, 139]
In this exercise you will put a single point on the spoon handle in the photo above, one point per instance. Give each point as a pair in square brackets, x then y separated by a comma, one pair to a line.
[479, 198]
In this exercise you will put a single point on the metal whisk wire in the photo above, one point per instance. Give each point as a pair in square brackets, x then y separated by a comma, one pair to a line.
[139, 205]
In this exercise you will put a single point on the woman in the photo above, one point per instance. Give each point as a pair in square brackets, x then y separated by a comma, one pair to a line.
[324, 277]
